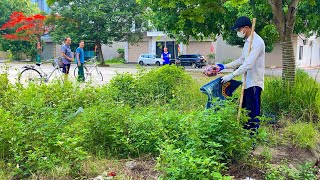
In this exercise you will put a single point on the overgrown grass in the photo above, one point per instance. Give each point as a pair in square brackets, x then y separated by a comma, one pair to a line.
[158, 112]
[303, 135]
[306, 171]
[132, 116]
[300, 103]
[115, 61]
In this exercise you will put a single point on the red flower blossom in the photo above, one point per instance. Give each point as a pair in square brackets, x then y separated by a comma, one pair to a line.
[112, 173]
[27, 28]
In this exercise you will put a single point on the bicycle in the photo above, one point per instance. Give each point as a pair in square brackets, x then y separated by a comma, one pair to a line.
[31, 73]
[91, 71]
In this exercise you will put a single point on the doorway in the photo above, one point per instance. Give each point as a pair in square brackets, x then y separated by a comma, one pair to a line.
[172, 48]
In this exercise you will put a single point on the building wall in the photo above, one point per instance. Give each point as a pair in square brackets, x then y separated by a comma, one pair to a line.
[224, 52]
[4, 55]
[42, 4]
[311, 51]
[134, 51]
[48, 51]
[110, 52]
[196, 47]
[57, 50]
[274, 58]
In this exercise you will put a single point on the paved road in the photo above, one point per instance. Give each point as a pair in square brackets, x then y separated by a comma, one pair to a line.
[109, 72]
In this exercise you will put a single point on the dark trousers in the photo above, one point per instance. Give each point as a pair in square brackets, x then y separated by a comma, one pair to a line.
[80, 73]
[252, 102]
[66, 68]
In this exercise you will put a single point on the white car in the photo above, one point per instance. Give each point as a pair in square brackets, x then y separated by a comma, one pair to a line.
[149, 59]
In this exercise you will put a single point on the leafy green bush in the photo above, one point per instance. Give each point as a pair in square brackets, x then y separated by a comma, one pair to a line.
[302, 102]
[153, 112]
[120, 52]
[37, 130]
[205, 143]
[116, 61]
[159, 86]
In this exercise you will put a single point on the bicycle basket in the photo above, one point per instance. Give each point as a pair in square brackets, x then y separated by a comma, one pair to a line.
[58, 62]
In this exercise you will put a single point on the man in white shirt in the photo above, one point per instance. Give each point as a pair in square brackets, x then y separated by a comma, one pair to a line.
[253, 65]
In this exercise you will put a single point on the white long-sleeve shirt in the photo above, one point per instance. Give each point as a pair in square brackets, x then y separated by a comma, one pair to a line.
[252, 64]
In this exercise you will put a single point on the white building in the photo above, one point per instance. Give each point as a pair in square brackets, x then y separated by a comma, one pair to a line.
[307, 50]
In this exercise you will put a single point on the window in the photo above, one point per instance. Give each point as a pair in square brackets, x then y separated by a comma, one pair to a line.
[300, 52]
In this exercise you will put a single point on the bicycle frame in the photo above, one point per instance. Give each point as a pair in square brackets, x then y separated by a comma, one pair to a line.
[90, 69]
[44, 76]
[94, 62]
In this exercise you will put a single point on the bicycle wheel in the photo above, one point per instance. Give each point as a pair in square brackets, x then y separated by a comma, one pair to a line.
[95, 74]
[30, 75]
[75, 72]
[56, 76]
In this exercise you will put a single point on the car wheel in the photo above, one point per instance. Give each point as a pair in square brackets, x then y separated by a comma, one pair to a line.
[193, 65]
[141, 63]
[158, 63]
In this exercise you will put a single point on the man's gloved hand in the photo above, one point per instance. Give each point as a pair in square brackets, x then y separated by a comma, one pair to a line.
[227, 78]
[210, 71]
[220, 67]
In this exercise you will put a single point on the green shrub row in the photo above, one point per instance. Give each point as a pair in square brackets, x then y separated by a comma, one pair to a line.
[132, 116]
[158, 112]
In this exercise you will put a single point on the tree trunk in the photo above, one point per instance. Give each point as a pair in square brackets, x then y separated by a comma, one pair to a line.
[285, 24]
[39, 49]
[288, 61]
[100, 55]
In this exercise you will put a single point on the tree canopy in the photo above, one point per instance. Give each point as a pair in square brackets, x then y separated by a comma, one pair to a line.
[97, 21]
[7, 7]
[26, 28]
[276, 21]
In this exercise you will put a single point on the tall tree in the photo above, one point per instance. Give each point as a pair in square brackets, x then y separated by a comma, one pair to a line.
[285, 15]
[277, 21]
[6, 9]
[27, 28]
[99, 21]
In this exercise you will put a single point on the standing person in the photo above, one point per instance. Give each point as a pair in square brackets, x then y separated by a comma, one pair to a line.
[80, 61]
[166, 56]
[253, 65]
[67, 56]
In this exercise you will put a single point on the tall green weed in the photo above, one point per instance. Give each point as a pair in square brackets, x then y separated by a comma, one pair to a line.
[149, 113]
[301, 102]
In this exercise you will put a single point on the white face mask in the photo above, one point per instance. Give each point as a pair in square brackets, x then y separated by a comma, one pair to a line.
[241, 34]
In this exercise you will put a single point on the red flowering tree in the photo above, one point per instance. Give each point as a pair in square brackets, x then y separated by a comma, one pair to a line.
[26, 28]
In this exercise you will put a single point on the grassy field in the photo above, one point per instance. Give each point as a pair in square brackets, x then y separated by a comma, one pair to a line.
[154, 125]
